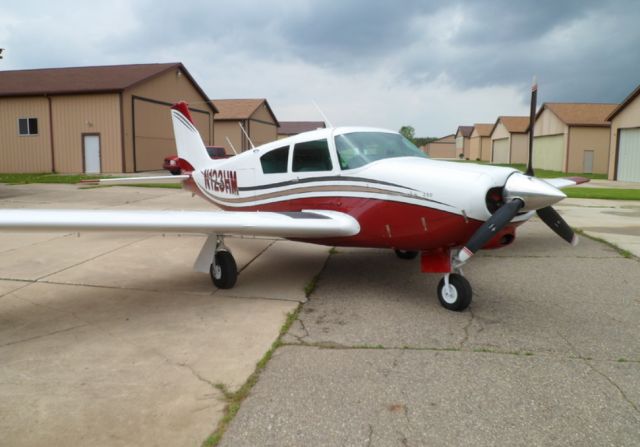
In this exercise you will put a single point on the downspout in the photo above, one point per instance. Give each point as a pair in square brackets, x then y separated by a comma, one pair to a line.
[53, 154]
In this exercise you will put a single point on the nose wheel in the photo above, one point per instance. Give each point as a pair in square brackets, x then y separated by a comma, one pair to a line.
[454, 292]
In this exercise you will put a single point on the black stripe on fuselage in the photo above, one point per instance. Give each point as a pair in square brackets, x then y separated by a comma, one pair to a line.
[321, 179]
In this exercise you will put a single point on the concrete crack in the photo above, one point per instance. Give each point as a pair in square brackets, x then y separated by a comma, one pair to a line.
[465, 339]
[615, 385]
[600, 373]
[370, 436]
[194, 372]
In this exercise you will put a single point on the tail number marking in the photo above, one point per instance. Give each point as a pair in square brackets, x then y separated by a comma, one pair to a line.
[218, 180]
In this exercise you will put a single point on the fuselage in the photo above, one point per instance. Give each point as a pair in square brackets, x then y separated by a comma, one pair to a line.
[400, 198]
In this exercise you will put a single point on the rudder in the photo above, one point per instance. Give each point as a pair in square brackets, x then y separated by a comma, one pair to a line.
[189, 143]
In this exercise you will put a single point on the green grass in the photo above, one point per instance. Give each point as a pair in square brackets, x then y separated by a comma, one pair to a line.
[602, 193]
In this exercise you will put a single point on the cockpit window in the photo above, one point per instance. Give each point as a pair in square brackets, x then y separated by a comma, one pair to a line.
[360, 148]
[312, 156]
[275, 161]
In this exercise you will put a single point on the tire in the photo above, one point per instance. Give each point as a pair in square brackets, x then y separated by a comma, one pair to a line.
[459, 298]
[175, 172]
[406, 254]
[227, 273]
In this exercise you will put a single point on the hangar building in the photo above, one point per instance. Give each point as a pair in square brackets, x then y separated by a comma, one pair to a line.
[510, 140]
[95, 119]
[480, 142]
[572, 137]
[624, 148]
[255, 116]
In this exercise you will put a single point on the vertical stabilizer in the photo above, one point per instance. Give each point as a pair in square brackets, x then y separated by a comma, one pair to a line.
[188, 140]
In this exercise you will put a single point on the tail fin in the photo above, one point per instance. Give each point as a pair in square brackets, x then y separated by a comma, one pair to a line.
[188, 140]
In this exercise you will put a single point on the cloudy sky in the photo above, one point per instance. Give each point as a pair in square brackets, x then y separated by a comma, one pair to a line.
[430, 64]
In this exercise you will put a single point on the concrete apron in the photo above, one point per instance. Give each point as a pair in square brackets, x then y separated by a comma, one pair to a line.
[112, 339]
[615, 221]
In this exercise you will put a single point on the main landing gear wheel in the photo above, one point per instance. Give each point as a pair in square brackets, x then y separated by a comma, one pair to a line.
[454, 294]
[406, 254]
[224, 272]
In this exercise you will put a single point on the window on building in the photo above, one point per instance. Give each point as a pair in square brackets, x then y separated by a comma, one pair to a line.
[28, 126]
[275, 161]
[312, 156]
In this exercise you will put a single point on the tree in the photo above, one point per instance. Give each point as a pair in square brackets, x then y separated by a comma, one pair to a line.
[408, 132]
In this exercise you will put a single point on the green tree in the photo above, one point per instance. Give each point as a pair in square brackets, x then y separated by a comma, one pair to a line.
[408, 132]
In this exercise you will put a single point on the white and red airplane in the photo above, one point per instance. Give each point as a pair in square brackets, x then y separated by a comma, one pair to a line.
[345, 186]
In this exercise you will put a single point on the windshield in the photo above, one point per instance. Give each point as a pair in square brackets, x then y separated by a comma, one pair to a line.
[360, 148]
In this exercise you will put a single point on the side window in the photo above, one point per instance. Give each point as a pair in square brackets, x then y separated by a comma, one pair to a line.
[312, 156]
[275, 161]
[28, 126]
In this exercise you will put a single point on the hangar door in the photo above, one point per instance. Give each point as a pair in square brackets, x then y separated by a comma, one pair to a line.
[629, 155]
[153, 132]
[501, 151]
[548, 152]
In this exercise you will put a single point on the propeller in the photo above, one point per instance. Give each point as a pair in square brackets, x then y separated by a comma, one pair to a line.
[522, 192]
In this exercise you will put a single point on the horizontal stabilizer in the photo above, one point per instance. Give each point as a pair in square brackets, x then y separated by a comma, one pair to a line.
[304, 224]
[157, 179]
[565, 182]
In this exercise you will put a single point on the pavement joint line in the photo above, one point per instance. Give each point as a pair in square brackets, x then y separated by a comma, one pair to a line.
[28, 283]
[99, 286]
[59, 236]
[44, 335]
[341, 347]
[95, 257]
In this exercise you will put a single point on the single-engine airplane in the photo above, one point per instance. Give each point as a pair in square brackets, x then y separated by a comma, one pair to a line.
[343, 186]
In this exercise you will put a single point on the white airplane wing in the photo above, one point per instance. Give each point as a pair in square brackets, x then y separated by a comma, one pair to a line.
[302, 224]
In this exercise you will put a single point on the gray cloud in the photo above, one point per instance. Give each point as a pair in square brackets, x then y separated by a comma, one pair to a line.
[581, 50]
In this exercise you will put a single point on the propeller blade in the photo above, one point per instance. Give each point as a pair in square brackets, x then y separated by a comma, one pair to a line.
[532, 120]
[488, 230]
[554, 221]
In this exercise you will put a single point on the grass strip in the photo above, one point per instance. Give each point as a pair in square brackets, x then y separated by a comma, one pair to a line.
[602, 193]
[234, 400]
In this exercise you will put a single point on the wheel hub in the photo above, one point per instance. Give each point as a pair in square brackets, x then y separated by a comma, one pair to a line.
[217, 272]
[449, 293]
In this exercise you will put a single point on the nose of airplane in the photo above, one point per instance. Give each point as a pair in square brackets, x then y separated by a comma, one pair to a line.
[535, 193]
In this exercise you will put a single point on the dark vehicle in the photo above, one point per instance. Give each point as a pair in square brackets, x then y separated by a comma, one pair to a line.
[176, 165]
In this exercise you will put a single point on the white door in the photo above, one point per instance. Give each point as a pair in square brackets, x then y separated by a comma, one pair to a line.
[587, 162]
[91, 154]
[629, 155]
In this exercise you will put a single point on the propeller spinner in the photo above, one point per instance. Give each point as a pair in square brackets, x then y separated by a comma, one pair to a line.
[522, 192]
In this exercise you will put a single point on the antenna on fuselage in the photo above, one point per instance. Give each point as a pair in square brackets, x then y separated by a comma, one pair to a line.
[231, 144]
[324, 117]
[246, 135]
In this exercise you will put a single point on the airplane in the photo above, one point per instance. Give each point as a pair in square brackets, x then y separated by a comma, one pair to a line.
[338, 186]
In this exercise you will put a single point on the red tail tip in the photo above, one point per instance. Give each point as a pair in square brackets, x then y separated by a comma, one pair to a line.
[183, 108]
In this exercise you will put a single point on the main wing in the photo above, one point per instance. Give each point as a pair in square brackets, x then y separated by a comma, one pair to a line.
[303, 224]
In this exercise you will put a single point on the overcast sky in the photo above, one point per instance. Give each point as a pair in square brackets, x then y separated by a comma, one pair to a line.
[430, 64]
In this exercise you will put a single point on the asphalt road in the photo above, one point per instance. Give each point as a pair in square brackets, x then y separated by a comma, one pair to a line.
[547, 354]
